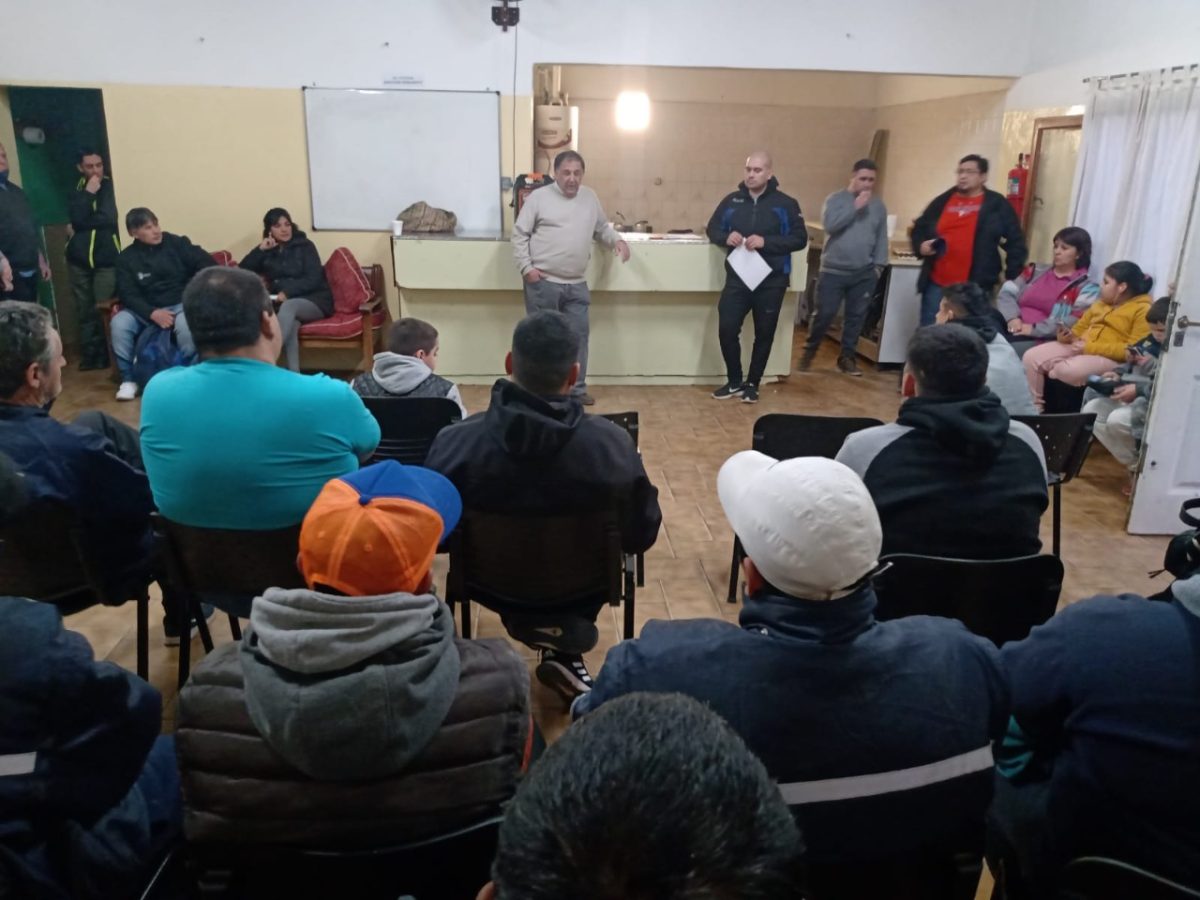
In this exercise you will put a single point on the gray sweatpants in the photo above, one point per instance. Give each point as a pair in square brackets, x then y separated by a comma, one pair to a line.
[572, 300]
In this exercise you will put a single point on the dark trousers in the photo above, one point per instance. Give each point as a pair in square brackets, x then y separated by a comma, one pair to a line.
[126, 444]
[736, 301]
[856, 289]
[89, 287]
[24, 288]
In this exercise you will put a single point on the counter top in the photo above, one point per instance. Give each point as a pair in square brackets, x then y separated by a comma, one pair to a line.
[632, 237]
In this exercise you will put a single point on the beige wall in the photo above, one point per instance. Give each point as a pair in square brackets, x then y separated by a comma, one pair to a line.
[1017, 135]
[8, 136]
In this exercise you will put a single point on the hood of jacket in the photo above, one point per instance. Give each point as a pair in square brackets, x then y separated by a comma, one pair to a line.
[772, 186]
[984, 326]
[819, 621]
[528, 425]
[399, 374]
[348, 688]
[972, 427]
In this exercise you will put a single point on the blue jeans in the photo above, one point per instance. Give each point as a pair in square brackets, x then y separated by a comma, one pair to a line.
[127, 325]
[930, 300]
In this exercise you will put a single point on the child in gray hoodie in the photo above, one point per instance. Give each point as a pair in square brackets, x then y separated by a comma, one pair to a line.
[406, 368]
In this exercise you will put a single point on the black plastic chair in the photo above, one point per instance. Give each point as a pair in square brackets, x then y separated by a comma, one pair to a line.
[545, 563]
[450, 866]
[1066, 439]
[408, 426]
[1000, 599]
[786, 436]
[945, 877]
[45, 557]
[629, 422]
[1098, 878]
[227, 568]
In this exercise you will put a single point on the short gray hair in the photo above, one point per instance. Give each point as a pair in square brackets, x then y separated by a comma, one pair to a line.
[24, 340]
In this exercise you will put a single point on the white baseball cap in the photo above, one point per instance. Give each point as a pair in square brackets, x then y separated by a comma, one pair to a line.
[808, 524]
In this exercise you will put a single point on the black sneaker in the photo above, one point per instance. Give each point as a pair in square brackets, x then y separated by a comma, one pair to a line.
[847, 366]
[171, 630]
[750, 393]
[727, 390]
[587, 399]
[804, 363]
[564, 674]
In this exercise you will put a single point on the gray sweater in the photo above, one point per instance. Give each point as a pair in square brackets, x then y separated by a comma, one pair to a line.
[554, 233]
[854, 238]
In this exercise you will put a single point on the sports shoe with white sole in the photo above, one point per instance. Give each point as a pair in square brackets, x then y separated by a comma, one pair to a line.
[565, 674]
[727, 390]
[127, 390]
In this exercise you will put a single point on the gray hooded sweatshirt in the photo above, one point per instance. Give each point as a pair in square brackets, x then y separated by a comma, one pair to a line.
[401, 375]
[349, 688]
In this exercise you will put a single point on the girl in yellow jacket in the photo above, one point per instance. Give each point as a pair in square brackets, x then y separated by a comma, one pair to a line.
[1099, 340]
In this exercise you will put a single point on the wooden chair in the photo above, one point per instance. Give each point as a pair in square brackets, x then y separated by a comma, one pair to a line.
[44, 556]
[1098, 878]
[227, 568]
[1066, 439]
[343, 330]
[408, 426]
[787, 436]
[544, 563]
[1000, 599]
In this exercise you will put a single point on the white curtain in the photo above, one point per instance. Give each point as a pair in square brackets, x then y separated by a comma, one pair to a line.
[1138, 168]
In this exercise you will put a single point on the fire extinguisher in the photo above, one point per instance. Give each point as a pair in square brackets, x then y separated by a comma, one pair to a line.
[1017, 176]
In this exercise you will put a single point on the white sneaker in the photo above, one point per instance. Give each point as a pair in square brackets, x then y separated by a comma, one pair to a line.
[127, 390]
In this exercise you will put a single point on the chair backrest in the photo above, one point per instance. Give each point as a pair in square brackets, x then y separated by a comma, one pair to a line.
[944, 877]
[1066, 439]
[1000, 599]
[527, 560]
[1098, 878]
[408, 425]
[232, 564]
[44, 557]
[374, 276]
[786, 436]
[627, 420]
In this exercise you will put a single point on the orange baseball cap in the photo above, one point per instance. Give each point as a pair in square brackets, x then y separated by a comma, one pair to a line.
[375, 531]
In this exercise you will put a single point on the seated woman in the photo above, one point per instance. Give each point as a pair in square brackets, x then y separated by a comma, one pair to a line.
[1098, 341]
[291, 266]
[1039, 298]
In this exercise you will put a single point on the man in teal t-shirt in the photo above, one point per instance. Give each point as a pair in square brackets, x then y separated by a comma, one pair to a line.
[235, 441]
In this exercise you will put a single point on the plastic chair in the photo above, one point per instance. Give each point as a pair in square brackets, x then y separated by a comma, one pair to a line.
[227, 568]
[1000, 599]
[629, 422]
[1066, 439]
[409, 424]
[444, 867]
[786, 436]
[1098, 878]
[45, 557]
[546, 563]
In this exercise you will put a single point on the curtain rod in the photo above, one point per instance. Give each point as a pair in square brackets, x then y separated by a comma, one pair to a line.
[1192, 69]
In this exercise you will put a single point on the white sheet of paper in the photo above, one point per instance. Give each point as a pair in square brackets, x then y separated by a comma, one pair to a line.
[749, 266]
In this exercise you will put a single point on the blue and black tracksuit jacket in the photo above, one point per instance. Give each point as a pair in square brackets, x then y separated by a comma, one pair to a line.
[774, 215]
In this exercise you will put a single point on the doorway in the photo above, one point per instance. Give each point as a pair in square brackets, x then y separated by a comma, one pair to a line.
[1051, 179]
[51, 126]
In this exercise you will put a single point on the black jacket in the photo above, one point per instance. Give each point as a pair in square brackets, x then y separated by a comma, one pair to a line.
[151, 277]
[545, 456]
[774, 215]
[293, 268]
[997, 222]
[953, 477]
[18, 230]
[95, 244]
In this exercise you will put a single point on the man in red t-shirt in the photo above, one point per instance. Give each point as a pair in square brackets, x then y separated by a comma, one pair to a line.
[960, 234]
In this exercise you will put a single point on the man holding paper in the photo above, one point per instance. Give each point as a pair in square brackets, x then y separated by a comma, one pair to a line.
[763, 227]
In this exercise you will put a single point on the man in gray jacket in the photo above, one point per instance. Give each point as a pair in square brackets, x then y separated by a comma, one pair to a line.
[856, 250]
[552, 243]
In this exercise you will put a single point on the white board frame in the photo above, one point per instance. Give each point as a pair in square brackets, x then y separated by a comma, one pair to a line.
[358, 151]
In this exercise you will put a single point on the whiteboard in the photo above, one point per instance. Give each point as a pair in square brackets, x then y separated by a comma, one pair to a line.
[371, 153]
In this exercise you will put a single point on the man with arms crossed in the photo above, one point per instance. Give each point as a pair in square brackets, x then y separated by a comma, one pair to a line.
[552, 243]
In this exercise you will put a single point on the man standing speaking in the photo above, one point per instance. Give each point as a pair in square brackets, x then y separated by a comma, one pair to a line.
[759, 217]
[552, 243]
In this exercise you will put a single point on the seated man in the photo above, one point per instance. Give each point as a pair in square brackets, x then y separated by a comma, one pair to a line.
[93, 465]
[151, 275]
[966, 304]
[953, 476]
[653, 796]
[89, 791]
[406, 368]
[235, 441]
[1104, 750]
[357, 678]
[535, 452]
[835, 704]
